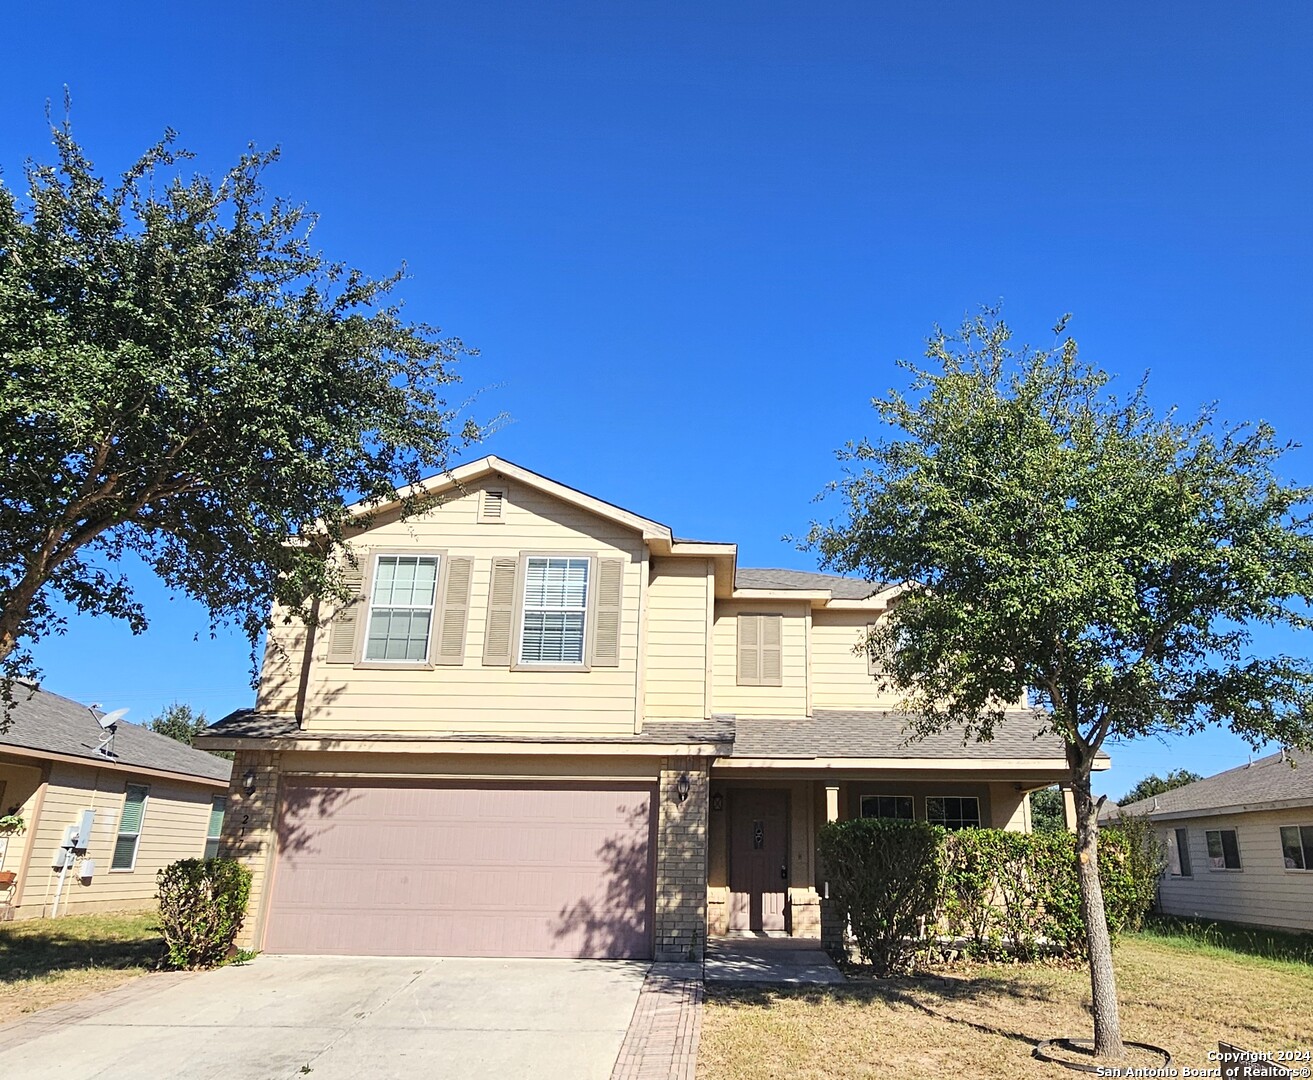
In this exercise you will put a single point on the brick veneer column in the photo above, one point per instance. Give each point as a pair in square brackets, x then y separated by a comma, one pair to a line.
[248, 830]
[681, 867]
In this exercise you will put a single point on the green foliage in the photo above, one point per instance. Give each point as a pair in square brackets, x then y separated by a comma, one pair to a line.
[12, 823]
[188, 382]
[202, 907]
[1153, 784]
[886, 875]
[1057, 539]
[179, 722]
[912, 888]
[1047, 810]
[1206, 936]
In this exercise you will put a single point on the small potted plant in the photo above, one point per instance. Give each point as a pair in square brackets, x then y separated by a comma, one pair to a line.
[12, 822]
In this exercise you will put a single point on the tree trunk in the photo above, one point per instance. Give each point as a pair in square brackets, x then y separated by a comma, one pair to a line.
[1103, 981]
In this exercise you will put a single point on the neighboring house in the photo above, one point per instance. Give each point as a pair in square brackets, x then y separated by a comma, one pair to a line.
[153, 800]
[548, 727]
[1240, 844]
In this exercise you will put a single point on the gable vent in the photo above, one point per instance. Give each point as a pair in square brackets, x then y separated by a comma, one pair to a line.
[493, 505]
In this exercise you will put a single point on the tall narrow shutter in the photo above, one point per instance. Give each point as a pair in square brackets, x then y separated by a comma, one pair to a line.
[606, 620]
[501, 613]
[749, 650]
[772, 647]
[344, 626]
[872, 668]
[455, 611]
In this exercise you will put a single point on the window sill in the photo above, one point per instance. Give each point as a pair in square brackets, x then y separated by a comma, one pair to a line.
[1226, 869]
[393, 665]
[551, 667]
[1298, 870]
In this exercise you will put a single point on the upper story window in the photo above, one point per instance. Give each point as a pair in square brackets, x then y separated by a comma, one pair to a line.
[401, 609]
[760, 650]
[555, 610]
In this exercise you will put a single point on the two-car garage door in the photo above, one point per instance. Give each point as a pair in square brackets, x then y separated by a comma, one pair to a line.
[385, 868]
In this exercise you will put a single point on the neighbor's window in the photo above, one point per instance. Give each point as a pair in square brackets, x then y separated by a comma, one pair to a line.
[217, 806]
[953, 812]
[1178, 854]
[134, 810]
[896, 807]
[401, 608]
[1297, 846]
[1223, 849]
[555, 609]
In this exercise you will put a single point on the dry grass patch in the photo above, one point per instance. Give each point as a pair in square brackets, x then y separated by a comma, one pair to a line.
[46, 962]
[983, 1022]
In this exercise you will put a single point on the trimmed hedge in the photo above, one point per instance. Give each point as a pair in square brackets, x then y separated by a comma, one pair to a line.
[202, 906]
[908, 889]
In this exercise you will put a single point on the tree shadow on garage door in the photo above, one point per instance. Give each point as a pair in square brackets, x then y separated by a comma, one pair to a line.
[616, 921]
[305, 814]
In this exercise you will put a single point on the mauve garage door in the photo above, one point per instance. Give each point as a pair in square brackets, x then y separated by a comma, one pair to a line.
[382, 869]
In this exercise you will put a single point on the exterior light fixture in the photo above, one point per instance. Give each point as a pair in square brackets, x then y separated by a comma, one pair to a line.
[718, 801]
[682, 786]
[248, 781]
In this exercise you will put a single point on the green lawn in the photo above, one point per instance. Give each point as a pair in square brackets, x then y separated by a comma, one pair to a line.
[1180, 990]
[49, 961]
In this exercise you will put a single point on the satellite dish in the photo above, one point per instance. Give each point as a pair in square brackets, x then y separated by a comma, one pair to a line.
[110, 719]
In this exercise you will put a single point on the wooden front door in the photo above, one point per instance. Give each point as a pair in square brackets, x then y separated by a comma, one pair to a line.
[758, 859]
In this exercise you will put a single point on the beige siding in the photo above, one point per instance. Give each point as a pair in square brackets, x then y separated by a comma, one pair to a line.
[1263, 892]
[790, 699]
[174, 825]
[20, 787]
[676, 681]
[840, 679]
[472, 697]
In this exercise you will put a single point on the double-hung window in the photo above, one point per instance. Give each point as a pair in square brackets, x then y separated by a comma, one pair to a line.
[953, 812]
[401, 609]
[1297, 846]
[130, 821]
[553, 628]
[1178, 854]
[1223, 849]
[217, 806]
[893, 807]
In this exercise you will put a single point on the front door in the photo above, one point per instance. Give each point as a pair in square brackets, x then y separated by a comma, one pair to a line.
[758, 859]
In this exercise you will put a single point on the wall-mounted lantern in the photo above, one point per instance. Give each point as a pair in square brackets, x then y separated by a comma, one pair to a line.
[248, 781]
[682, 786]
[718, 801]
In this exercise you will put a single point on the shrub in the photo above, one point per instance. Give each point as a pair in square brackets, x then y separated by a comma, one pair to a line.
[885, 876]
[202, 905]
[1132, 859]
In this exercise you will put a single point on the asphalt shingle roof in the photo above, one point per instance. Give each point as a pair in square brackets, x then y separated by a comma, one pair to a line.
[843, 588]
[836, 733]
[58, 725]
[1275, 778]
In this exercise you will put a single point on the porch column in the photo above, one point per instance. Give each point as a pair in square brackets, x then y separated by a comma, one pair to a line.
[1068, 808]
[833, 921]
[831, 803]
[681, 863]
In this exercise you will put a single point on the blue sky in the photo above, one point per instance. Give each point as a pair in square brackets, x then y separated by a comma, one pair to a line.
[762, 204]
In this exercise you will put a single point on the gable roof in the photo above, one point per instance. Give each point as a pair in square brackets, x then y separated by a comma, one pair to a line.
[51, 724]
[1277, 778]
[840, 587]
[456, 477]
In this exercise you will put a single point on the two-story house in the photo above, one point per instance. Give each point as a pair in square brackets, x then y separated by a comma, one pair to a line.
[549, 727]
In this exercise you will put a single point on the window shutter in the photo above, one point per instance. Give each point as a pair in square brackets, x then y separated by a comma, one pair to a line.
[606, 619]
[749, 650]
[501, 613]
[771, 666]
[342, 631]
[455, 611]
[871, 667]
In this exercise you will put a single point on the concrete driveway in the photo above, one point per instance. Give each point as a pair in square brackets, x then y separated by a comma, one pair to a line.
[338, 1018]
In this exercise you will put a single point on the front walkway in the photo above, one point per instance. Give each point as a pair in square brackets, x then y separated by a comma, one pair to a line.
[776, 961]
[662, 1040]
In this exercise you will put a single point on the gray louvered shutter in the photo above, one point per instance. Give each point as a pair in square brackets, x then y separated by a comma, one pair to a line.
[749, 646]
[455, 611]
[771, 667]
[501, 613]
[607, 606]
[345, 622]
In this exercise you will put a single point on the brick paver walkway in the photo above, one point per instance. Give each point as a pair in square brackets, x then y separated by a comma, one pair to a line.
[662, 1040]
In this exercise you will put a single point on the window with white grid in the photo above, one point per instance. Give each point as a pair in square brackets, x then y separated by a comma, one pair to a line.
[401, 608]
[555, 610]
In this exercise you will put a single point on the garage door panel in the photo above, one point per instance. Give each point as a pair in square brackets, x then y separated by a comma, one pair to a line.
[488, 870]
